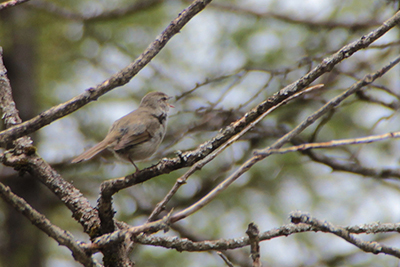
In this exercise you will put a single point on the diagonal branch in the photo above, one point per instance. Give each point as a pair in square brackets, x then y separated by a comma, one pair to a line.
[118, 79]
[63, 237]
[368, 79]
[188, 158]
[23, 156]
[11, 3]
[262, 154]
[225, 259]
[200, 164]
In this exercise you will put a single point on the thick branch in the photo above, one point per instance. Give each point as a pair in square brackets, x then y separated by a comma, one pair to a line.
[63, 237]
[184, 244]
[23, 157]
[8, 109]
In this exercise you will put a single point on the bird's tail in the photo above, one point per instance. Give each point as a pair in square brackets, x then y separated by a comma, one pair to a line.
[91, 152]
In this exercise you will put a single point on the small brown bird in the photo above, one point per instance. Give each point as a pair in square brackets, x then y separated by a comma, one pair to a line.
[135, 136]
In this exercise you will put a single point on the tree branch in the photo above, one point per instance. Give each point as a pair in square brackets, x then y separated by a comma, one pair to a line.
[64, 238]
[11, 3]
[8, 109]
[262, 154]
[200, 164]
[327, 227]
[23, 157]
[184, 244]
[118, 79]
[336, 143]
[225, 259]
[253, 233]
[351, 167]
[368, 79]
[188, 158]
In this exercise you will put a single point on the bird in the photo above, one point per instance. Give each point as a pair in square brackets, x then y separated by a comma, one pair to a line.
[137, 135]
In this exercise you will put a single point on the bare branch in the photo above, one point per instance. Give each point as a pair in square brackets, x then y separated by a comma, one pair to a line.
[253, 232]
[118, 79]
[365, 97]
[262, 154]
[8, 109]
[225, 259]
[328, 106]
[184, 244]
[352, 167]
[64, 238]
[200, 164]
[190, 157]
[23, 156]
[327, 227]
[336, 143]
[11, 3]
[120, 235]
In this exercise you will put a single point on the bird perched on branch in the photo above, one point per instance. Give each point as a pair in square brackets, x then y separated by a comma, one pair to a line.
[137, 135]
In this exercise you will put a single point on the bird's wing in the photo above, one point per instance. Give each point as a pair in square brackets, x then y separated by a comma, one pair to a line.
[132, 135]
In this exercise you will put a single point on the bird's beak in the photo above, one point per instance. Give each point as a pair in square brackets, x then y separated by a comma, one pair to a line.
[172, 106]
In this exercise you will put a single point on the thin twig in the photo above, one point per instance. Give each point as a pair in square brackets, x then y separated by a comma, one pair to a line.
[329, 106]
[336, 143]
[225, 259]
[262, 154]
[200, 164]
[336, 165]
[188, 158]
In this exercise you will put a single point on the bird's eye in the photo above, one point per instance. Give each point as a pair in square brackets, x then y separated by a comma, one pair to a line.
[164, 98]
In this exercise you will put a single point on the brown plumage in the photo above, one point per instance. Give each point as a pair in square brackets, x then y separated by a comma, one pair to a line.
[135, 136]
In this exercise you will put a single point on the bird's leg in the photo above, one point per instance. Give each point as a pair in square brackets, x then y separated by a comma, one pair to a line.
[137, 169]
